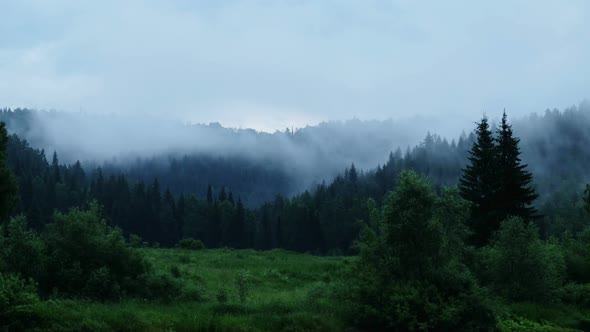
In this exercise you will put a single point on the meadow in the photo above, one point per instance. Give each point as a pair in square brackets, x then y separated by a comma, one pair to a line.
[284, 291]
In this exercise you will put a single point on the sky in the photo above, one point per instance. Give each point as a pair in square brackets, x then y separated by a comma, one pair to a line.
[273, 64]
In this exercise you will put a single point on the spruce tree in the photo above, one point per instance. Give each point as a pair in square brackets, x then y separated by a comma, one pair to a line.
[209, 194]
[587, 198]
[8, 186]
[478, 184]
[515, 194]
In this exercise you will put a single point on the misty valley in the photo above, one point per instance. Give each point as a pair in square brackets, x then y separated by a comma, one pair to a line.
[342, 226]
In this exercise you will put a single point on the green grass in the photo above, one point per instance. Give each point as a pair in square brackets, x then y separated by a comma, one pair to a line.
[286, 293]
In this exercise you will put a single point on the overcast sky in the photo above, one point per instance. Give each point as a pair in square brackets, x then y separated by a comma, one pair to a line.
[272, 64]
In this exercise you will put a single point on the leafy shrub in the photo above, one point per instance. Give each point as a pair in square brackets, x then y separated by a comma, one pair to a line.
[190, 244]
[221, 295]
[161, 287]
[89, 259]
[242, 281]
[576, 294]
[522, 266]
[192, 292]
[175, 271]
[17, 299]
[410, 273]
[577, 256]
[23, 251]
[135, 241]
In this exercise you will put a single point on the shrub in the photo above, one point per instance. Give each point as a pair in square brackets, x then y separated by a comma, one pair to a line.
[191, 292]
[522, 266]
[576, 294]
[242, 286]
[87, 258]
[190, 244]
[577, 256]
[135, 241]
[221, 295]
[161, 287]
[17, 299]
[175, 271]
[410, 273]
[23, 251]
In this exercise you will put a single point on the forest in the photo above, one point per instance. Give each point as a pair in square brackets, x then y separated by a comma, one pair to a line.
[489, 232]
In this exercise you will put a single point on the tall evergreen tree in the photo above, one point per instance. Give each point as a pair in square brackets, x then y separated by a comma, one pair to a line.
[222, 195]
[8, 186]
[587, 197]
[55, 168]
[209, 194]
[478, 184]
[515, 194]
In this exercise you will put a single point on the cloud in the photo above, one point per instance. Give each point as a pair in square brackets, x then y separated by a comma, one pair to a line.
[270, 64]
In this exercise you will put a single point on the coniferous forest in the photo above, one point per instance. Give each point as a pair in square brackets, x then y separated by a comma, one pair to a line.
[489, 232]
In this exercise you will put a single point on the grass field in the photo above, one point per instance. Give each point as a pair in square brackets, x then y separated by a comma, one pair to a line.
[285, 292]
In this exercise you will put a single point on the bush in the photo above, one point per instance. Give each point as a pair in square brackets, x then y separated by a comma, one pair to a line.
[17, 299]
[175, 271]
[410, 273]
[522, 266]
[191, 292]
[242, 286]
[161, 287]
[221, 295]
[89, 259]
[576, 294]
[577, 256]
[23, 251]
[190, 244]
[135, 241]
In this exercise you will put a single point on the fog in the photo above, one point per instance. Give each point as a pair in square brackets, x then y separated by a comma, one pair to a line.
[314, 153]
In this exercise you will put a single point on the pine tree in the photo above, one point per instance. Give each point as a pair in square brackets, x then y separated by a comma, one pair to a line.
[222, 195]
[478, 184]
[55, 168]
[230, 198]
[587, 198]
[209, 194]
[352, 174]
[8, 187]
[515, 194]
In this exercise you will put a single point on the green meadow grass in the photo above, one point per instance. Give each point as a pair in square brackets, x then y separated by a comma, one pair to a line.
[285, 293]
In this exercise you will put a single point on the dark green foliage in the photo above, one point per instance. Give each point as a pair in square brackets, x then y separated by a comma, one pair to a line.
[410, 274]
[514, 195]
[190, 244]
[495, 181]
[88, 258]
[221, 295]
[159, 287]
[575, 294]
[587, 198]
[17, 299]
[522, 267]
[8, 185]
[478, 183]
[577, 256]
[242, 283]
[23, 251]
[135, 240]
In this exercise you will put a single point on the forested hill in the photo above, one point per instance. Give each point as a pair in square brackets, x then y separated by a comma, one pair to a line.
[257, 166]
[186, 158]
[323, 218]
